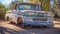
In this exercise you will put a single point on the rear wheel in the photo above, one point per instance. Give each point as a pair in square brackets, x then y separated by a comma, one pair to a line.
[19, 20]
[7, 18]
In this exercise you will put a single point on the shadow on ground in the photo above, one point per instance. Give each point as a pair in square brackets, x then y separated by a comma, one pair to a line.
[32, 30]
[39, 30]
[4, 30]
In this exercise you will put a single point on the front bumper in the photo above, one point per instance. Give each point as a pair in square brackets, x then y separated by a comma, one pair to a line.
[38, 23]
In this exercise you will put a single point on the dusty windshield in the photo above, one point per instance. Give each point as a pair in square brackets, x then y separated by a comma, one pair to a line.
[28, 7]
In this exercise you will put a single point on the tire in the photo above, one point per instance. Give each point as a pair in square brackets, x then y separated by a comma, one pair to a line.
[7, 18]
[12, 22]
[19, 20]
[51, 26]
[26, 26]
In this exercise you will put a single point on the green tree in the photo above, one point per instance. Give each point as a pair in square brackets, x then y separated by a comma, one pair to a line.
[11, 5]
[3, 10]
[45, 4]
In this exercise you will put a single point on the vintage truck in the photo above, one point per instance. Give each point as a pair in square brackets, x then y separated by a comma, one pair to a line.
[30, 14]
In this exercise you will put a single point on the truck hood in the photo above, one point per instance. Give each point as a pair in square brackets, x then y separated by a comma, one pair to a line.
[31, 11]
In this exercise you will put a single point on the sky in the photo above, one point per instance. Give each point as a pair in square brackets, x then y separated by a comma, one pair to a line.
[6, 2]
[51, 2]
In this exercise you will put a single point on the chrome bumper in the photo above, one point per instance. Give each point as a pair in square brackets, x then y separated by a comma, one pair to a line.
[39, 23]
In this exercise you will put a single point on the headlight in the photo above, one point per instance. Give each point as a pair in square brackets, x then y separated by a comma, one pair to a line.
[28, 19]
[50, 14]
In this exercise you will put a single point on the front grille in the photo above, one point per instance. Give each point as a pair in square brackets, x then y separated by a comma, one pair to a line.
[39, 19]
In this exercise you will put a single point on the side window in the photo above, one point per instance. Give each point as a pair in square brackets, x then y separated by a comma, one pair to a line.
[38, 8]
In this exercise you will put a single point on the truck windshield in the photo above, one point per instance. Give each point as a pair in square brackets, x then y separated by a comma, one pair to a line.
[29, 7]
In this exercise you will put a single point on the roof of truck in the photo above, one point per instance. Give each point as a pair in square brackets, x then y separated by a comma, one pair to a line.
[26, 3]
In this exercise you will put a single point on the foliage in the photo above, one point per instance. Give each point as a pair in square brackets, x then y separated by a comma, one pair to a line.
[45, 5]
[11, 5]
[3, 10]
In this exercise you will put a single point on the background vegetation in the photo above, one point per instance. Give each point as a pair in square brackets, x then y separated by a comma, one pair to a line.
[3, 10]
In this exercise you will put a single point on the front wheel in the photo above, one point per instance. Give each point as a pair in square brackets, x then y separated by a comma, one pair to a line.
[19, 20]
